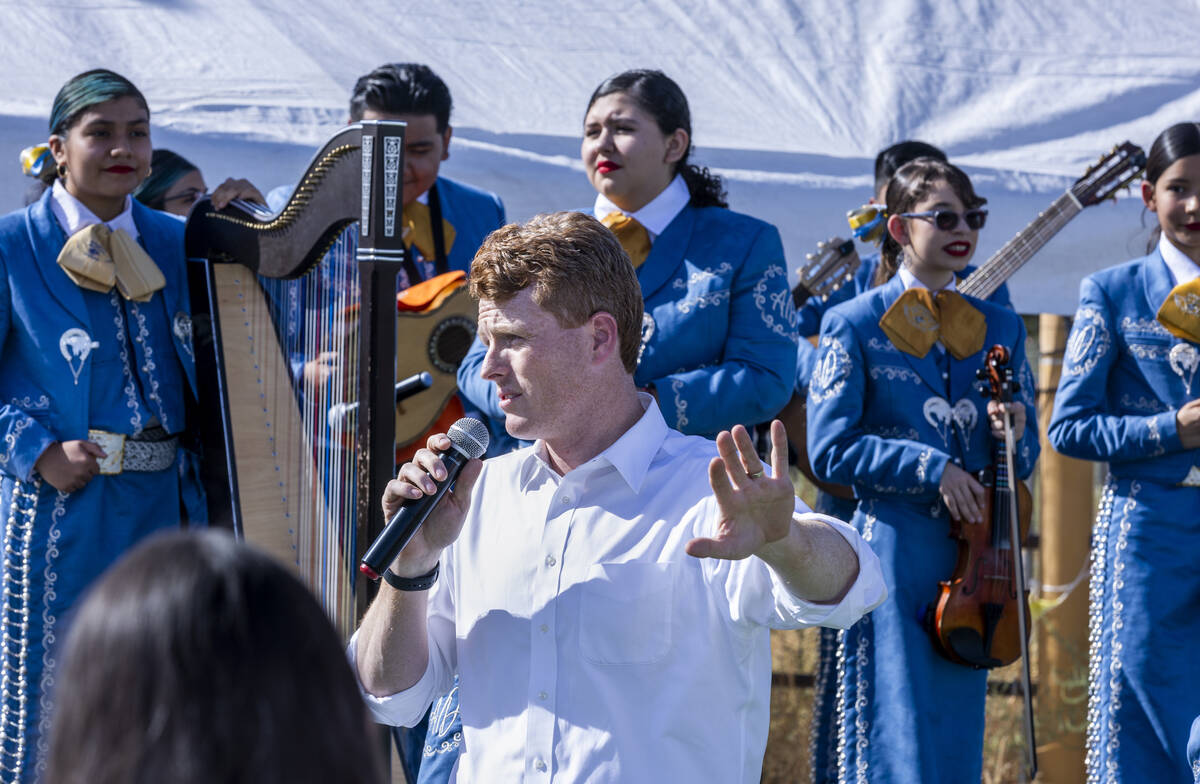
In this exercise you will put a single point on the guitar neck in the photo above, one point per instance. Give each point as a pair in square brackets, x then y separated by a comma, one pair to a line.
[983, 282]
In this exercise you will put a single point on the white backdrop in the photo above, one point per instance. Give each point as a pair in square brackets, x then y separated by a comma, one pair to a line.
[790, 100]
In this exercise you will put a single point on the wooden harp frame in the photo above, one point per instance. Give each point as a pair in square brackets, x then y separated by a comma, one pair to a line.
[356, 176]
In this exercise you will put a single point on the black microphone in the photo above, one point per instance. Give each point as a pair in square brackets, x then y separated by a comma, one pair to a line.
[404, 390]
[468, 440]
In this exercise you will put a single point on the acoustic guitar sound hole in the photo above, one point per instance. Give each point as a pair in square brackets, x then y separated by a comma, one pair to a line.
[450, 342]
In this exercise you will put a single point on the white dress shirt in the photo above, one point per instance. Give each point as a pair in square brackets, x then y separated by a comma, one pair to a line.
[1183, 269]
[589, 645]
[655, 216]
[74, 217]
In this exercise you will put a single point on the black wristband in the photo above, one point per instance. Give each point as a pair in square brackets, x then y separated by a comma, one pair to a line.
[420, 583]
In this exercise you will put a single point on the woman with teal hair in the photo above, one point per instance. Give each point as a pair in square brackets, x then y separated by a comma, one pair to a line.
[173, 185]
[95, 356]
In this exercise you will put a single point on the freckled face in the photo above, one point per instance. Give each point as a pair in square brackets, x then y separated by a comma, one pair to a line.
[538, 368]
[1175, 198]
[106, 153]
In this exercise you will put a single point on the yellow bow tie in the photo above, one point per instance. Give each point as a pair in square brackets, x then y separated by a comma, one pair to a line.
[632, 235]
[418, 230]
[919, 319]
[96, 258]
[1180, 311]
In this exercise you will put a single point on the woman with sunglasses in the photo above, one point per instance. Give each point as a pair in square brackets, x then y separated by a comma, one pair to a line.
[894, 411]
[96, 356]
[1128, 397]
[719, 332]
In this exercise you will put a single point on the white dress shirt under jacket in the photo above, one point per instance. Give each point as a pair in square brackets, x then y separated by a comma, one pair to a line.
[589, 645]
[656, 216]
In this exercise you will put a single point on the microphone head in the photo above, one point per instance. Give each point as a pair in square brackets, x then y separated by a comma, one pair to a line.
[469, 436]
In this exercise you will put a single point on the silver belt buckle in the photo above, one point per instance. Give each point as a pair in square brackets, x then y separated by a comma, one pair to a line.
[1192, 479]
[113, 445]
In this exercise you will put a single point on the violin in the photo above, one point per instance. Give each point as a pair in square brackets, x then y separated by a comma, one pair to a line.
[981, 616]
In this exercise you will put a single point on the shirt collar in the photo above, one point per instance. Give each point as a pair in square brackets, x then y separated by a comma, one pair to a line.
[1183, 269]
[911, 282]
[73, 216]
[630, 455]
[656, 215]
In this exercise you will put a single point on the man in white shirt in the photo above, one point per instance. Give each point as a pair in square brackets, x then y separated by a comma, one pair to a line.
[605, 595]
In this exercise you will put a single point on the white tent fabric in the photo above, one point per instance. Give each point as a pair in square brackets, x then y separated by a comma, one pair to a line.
[790, 100]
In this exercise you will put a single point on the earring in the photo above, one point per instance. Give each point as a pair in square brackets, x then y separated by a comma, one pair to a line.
[61, 169]
[149, 171]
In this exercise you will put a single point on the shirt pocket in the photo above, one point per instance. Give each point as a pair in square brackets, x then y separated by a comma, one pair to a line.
[625, 613]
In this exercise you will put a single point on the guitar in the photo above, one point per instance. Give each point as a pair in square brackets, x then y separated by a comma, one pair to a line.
[834, 263]
[1110, 174]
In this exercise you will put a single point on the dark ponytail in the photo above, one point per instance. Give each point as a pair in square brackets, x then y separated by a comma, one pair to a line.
[658, 95]
[911, 183]
[1178, 141]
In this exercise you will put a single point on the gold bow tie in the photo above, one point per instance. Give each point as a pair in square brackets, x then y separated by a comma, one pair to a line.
[632, 235]
[1180, 311]
[919, 319]
[418, 230]
[96, 258]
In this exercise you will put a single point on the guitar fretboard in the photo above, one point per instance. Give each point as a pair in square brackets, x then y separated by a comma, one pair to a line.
[984, 281]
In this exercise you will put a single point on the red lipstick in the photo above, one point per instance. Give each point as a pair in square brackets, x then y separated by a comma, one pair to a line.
[119, 169]
[604, 167]
[958, 249]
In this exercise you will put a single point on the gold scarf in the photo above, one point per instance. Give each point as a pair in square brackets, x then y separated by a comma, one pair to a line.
[418, 230]
[918, 319]
[1180, 311]
[97, 257]
[632, 235]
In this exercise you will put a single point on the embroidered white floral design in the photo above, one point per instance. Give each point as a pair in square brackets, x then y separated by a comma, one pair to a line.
[875, 344]
[703, 301]
[1147, 351]
[1153, 434]
[923, 465]
[681, 420]
[1144, 326]
[648, 329]
[29, 404]
[12, 437]
[49, 621]
[698, 276]
[940, 415]
[831, 371]
[149, 367]
[130, 389]
[1189, 303]
[1088, 343]
[1142, 403]
[894, 373]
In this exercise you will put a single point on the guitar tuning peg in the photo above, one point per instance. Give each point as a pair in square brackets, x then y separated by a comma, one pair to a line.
[810, 256]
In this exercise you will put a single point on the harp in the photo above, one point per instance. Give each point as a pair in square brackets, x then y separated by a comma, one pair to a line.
[294, 317]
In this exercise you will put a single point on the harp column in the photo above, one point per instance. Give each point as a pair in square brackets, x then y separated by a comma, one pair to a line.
[380, 259]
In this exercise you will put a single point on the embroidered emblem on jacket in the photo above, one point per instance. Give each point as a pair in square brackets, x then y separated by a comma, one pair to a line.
[1184, 359]
[76, 345]
[832, 369]
[182, 327]
[1088, 342]
[940, 415]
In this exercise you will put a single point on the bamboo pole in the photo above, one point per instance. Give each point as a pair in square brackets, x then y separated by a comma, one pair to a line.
[1066, 511]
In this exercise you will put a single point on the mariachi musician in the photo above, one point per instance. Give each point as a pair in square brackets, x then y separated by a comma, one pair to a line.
[895, 413]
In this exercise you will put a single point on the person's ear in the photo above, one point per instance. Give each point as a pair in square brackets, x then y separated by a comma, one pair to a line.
[605, 341]
[446, 141]
[677, 145]
[898, 229]
[1148, 196]
[58, 148]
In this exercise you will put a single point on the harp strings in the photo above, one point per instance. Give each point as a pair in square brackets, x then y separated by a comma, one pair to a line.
[315, 318]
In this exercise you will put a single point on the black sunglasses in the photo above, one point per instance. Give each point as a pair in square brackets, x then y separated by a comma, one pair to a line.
[947, 220]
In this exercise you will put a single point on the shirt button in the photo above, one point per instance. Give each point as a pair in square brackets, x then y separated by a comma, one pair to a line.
[550, 560]
[540, 766]
[542, 695]
[945, 374]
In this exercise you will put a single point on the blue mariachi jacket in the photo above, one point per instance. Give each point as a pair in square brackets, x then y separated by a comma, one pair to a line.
[886, 422]
[810, 313]
[45, 332]
[473, 213]
[719, 330]
[1124, 376]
